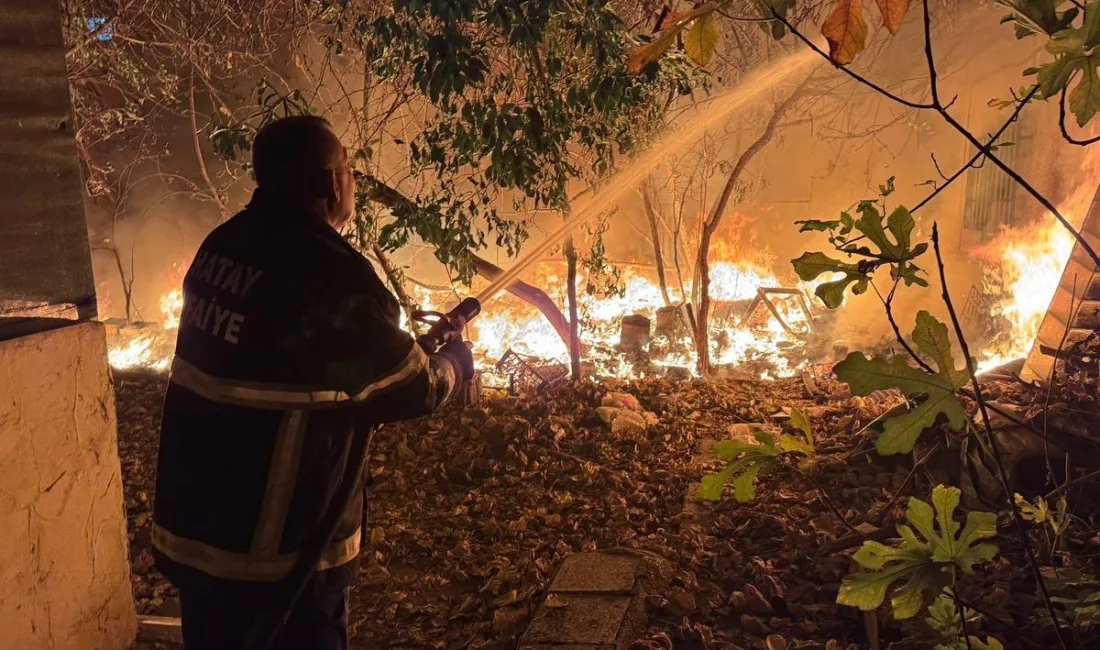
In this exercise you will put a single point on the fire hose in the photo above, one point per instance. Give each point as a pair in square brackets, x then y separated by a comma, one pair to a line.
[443, 328]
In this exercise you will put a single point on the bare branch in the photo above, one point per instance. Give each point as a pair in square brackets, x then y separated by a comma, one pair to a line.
[1062, 124]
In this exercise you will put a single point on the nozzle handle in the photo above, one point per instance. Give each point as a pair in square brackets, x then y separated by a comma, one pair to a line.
[445, 327]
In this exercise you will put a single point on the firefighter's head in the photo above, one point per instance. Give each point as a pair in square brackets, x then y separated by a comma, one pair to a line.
[299, 162]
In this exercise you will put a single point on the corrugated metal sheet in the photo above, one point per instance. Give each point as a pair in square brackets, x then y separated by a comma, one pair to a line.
[992, 197]
[44, 257]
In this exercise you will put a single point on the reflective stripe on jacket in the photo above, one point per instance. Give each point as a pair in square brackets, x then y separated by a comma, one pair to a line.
[288, 341]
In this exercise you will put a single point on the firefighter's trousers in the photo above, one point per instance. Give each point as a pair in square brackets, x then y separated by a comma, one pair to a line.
[220, 617]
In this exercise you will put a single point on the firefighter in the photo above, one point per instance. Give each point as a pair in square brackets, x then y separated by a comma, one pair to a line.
[288, 341]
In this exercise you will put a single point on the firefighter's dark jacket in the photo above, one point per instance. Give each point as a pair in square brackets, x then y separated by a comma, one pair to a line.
[287, 340]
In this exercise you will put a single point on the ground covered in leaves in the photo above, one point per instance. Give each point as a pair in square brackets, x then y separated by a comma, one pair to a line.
[473, 509]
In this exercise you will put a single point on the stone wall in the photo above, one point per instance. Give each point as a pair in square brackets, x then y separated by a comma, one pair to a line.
[64, 567]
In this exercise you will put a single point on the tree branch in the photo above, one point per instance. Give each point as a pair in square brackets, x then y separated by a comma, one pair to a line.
[1062, 124]
[102, 27]
[863, 80]
[976, 157]
[994, 445]
[710, 226]
[647, 192]
[937, 106]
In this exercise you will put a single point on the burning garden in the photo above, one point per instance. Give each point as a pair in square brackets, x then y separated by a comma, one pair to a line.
[792, 304]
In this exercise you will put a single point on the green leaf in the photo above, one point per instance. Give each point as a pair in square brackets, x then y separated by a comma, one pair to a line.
[1084, 100]
[701, 40]
[802, 423]
[1091, 25]
[990, 643]
[964, 550]
[1055, 76]
[1041, 513]
[745, 462]
[1067, 41]
[1038, 16]
[893, 243]
[810, 265]
[710, 488]
[887, 189]
[865, 376]
[901, 224]
[921, 558]
[728, 450]
[868, 590]
[876, 555]
[943, 615]
[794, 444]
[816, 225]
[832, 293]
[777, 29]
[908, 599]
[744, 486]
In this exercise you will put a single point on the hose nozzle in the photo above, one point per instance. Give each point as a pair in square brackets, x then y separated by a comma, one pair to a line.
[446, 327]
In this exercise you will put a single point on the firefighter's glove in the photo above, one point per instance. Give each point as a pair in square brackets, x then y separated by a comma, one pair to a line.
[457, 353]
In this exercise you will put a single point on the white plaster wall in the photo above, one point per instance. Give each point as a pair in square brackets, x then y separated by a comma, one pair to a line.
[64, 564]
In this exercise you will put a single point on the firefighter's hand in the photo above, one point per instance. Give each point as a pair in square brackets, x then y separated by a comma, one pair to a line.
[458, 354]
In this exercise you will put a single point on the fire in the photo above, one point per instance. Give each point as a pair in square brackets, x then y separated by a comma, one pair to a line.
[143, 351]
[171, 304]
[510, 323]
[1023, 269]
[738, 281]
[1032, 260]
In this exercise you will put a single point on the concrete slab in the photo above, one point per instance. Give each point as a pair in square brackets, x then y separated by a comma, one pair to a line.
[596, 573]
[65, 568]
[586, 619]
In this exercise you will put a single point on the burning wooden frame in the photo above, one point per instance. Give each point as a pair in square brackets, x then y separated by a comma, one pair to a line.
[762, 298]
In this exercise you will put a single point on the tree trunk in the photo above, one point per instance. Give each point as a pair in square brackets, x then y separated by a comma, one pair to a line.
[394, 276]
[574, 341]
[655, 233]
[127, 284]
[710, 226]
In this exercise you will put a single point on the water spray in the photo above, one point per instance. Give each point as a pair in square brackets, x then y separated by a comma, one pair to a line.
[444, 327]
[748, 90]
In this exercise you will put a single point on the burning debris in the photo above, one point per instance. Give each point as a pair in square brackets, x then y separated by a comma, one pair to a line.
[527, 374]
